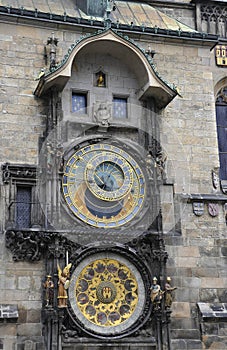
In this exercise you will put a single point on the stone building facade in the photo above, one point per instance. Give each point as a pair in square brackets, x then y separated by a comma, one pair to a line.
[113, 164]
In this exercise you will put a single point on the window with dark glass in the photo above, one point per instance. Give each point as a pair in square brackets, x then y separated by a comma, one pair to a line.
[23, 207]
[221, 116]
[79, 102]
[120, 109]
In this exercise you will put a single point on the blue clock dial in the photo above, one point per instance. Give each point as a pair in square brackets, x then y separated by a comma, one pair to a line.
[103, 185]
[109, 176]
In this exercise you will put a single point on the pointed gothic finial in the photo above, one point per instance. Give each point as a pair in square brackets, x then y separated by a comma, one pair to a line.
[110, 6]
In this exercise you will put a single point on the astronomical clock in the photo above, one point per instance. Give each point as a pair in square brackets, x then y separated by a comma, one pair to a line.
[101, 167]
[106, 192]
[103, 185]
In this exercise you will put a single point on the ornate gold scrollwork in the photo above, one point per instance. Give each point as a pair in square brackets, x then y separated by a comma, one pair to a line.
[106, 292]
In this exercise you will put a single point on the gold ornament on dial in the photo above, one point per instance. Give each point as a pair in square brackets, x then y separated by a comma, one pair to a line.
[106, 292]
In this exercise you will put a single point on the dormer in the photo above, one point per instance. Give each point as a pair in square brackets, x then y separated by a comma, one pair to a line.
[94, 7]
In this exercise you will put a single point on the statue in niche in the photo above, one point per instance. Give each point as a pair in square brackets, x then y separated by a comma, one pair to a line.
[53, 156]
[161, 158]
[63, 285]
[100, 79]
[149, 165]
[49, 291]
[52, 41]
[168, 293]
[156, 294]
[102, 113]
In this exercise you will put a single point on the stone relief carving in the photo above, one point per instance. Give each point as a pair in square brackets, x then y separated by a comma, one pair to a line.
[17, 171]
[102, 113]
[33, 245]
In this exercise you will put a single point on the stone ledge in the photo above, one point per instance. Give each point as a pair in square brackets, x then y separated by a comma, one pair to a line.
[215, 197]
[8, 312]
[185, 334]
[109, 346]
[182, 344]
[214, 312]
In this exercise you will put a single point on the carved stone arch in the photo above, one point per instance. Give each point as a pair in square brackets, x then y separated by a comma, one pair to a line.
[219, 85]
[150, 82]
[221, 121]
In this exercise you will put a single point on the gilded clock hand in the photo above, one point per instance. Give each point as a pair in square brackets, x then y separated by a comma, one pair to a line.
[106, 181]
[109, 183]
[100, 179]
[103, 184]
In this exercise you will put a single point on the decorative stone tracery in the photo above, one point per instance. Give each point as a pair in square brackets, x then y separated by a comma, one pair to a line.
[211, 18]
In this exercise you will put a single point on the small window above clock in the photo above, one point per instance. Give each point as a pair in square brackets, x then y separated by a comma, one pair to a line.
[100, 79]
[79, 102]
[120, 109]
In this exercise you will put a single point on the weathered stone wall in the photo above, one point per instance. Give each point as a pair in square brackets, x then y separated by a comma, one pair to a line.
[197, 261]
[22, 123]
[196, 257]
[188, 116]
[22, 115]
[20, 284]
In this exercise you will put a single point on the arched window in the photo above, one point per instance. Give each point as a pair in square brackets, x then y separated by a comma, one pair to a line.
[221, 116]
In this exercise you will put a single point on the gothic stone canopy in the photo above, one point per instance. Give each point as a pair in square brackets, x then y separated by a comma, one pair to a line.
[151, 84]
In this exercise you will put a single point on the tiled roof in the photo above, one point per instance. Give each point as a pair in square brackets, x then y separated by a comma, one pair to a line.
[126, 12]
[143, 14]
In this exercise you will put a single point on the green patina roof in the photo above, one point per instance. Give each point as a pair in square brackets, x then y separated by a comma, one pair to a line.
[126, 12]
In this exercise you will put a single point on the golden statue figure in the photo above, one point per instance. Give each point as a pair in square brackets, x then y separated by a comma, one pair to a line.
[168, 293]
[101, 80]
[63, 285]
[156, 294]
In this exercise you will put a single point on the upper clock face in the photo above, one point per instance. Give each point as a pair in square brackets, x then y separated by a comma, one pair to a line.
[103, 185]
